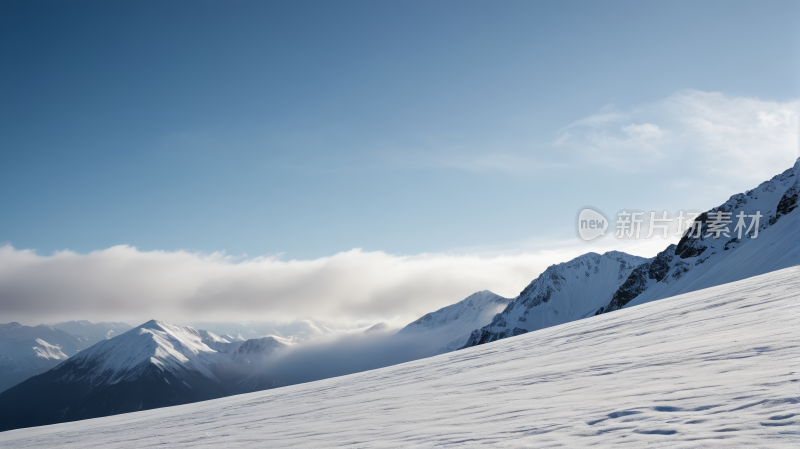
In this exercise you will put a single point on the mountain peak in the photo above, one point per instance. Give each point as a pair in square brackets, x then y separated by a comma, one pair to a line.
[448, 328]
[152, 324]
[165, 346]
[563, 292]
[10, 326]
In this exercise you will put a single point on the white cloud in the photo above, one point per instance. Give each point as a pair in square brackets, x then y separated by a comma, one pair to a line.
[124, 283]
[736, 137]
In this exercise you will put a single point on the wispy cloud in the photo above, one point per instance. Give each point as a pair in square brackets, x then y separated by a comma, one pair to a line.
[742, 137]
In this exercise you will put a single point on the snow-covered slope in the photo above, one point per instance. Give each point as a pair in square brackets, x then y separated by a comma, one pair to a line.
[45, 350]
[565, 292]
[713, 368]
[256, 349]
[448, 328]
[697, 263]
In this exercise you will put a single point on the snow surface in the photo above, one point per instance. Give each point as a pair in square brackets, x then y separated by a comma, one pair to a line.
[713, 368]
[45, 350]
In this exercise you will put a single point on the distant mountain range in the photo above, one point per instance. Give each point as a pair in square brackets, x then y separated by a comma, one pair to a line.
[90, 333]
[154, 365]
[29, 350]
[159, 364]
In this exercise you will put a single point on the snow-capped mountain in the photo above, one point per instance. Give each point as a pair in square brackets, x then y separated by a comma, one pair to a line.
[178, 350]
[697, 263]
[154, 365]
[692, 264]
[565, 292]
[448, 328]
[712, 368]
[91, 333]
[254, 350]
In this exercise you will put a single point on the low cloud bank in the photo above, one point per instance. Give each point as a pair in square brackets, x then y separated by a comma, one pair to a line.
[124, 283]
[351, 288]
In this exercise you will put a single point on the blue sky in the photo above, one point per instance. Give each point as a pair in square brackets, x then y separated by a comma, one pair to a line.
[310, 128]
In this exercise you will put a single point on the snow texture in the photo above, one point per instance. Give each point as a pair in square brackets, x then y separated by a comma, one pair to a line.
[718, 367]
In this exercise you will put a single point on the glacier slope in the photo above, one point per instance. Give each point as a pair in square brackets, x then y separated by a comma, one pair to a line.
[715, 367]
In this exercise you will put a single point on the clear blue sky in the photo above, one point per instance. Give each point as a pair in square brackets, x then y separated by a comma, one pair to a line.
[313, 127]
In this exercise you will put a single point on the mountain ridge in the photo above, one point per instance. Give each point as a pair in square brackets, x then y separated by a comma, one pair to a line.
[692, 264]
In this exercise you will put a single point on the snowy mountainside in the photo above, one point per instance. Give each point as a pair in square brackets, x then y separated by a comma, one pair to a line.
[153, 365]
[168, 347]
[562, 293]
[448, 328]
[712, 368]
[697, 263]
[692, 264]
[254, 350]
[46, 351]
[243, 373]
[30, 350]
[15, 337]
[31, 357]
